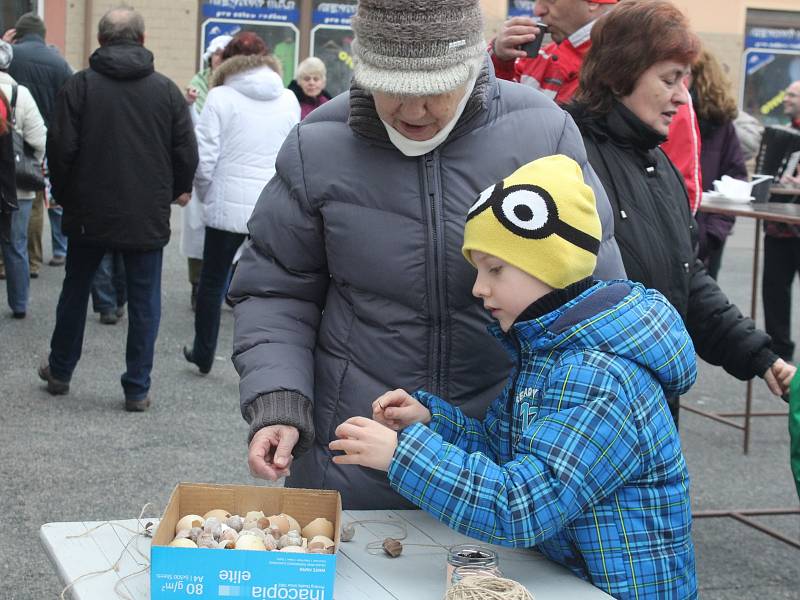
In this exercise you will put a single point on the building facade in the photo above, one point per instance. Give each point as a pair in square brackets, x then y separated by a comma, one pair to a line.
[758, 40]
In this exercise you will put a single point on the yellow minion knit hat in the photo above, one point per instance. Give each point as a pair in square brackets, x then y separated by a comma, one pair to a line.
[541, 219]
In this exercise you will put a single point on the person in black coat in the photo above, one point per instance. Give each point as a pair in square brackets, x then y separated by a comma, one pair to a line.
[632, 82]
[8, 186]
[122, 148]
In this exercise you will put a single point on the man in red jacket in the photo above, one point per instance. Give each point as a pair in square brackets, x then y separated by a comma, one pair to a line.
[556, 69]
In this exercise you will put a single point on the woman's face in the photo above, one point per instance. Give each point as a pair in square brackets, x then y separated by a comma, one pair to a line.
[658, 94]
[418, 118]
[312, 84]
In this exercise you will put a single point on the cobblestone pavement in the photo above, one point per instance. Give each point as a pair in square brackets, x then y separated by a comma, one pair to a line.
[81, 457]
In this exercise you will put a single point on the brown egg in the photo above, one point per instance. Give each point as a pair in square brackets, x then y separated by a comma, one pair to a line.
[319, 526]
[249, 542]
[182, 543]
[190, 521]
[217, 513]
[281, 522]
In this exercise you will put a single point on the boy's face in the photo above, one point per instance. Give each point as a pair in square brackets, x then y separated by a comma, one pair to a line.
[505, 290]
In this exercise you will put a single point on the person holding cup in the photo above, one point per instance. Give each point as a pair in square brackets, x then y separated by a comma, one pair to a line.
[555, 70]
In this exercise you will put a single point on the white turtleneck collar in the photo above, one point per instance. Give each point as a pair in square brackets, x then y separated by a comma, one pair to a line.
[415, 148]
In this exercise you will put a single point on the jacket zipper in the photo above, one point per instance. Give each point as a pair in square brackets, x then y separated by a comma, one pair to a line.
[437, 286]
[513, 393]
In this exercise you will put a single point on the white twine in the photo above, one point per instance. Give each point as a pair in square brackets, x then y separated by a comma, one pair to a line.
[487, 588]
[145, 530]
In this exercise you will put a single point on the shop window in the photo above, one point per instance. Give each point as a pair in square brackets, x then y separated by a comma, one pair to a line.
[331, 39]
[771, 62]
[275, 21]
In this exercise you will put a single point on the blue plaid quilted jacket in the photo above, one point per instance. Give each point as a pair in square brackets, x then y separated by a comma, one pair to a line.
[579, 456]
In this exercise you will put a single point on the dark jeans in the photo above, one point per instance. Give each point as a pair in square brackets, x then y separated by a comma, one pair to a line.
[143, 279]
[781, 264]
[109, 291]
[218, 253]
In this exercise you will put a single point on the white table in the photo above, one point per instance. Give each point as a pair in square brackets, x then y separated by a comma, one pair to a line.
[418, 574]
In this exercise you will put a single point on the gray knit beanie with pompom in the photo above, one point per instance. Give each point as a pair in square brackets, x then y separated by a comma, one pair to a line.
[417, 47]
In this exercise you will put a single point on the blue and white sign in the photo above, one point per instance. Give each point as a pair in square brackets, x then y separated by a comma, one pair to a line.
[520, 8]
[273, 11]
[334, 13]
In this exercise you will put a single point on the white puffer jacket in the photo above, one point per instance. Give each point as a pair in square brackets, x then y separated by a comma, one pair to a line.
[244, 122]
[30, 124]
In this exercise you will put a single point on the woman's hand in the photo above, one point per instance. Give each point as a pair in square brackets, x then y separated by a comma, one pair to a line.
[270, 454]
[364, 442]
[397, 410]
[779, 377]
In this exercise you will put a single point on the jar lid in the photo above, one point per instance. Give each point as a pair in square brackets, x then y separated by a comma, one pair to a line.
[471, 554]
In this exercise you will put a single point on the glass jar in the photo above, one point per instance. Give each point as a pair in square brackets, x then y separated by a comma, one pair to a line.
[471, 555]
[460, 573]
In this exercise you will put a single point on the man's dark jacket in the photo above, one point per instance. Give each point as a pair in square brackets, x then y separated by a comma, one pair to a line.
[121, 148]
[657, 237]
[41, 69]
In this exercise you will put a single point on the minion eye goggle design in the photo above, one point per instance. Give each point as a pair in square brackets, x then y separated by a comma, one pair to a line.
[530, 212]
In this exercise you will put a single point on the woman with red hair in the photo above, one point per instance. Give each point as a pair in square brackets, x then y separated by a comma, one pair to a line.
[632, 83]
[247, 116]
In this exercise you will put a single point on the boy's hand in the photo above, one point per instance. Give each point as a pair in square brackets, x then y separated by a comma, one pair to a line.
[779, 376]
[397, 410]
[364, 443]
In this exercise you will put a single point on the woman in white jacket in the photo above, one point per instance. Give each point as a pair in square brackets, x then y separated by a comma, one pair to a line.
[30, 126]
[247, 115]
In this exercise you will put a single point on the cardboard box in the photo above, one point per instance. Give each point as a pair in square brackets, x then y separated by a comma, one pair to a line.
[191, 573]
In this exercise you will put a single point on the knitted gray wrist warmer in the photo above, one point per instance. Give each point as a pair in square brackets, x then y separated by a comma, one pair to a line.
[283, 408]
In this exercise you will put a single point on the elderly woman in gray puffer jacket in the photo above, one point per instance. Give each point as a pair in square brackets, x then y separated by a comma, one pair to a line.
[353, 280]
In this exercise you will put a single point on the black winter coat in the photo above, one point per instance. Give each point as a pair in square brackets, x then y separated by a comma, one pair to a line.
[656, 235]
[121, 148]
[41, 69]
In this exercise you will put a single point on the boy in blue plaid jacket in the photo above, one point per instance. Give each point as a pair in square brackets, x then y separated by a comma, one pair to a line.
[579, 455]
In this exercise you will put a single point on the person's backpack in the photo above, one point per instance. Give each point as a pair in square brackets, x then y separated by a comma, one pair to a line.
[29, 171]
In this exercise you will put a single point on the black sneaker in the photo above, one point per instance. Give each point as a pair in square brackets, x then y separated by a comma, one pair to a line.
[189, 356]
[55, 387]
[140, 405]
[109, 318]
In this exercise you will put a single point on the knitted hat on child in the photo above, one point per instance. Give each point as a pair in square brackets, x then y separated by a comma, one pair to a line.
[417, 47]
[541, 219]
[6, 55]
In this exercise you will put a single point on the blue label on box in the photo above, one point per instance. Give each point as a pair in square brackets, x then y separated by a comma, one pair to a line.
[203, 573]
